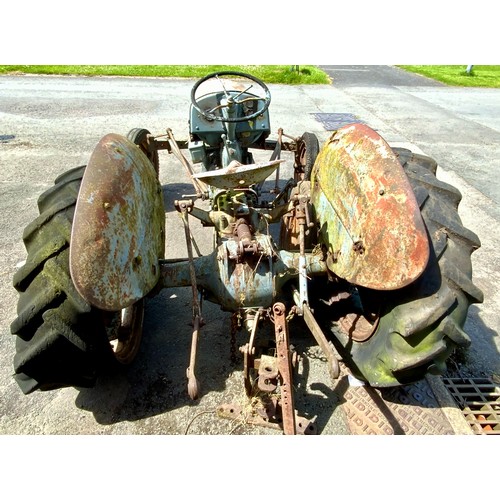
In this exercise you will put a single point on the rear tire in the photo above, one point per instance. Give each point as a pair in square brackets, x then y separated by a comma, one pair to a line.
[412, 331]
[61, 339]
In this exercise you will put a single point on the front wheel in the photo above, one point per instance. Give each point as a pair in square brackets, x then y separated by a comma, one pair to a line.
[306, 154]
[141, 137]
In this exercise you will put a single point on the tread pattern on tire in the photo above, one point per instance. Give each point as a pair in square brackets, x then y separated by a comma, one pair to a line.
[422, 324]
[58, 332]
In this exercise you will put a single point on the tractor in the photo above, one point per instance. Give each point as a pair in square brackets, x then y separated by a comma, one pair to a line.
[363, 243]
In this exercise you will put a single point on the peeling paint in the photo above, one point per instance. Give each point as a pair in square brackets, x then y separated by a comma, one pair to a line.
[368, 215]
[119, 226]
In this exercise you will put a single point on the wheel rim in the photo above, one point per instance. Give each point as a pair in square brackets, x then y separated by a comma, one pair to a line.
[301, 154]
[358, 327]
[359, 316]
[300, 160]
[124, 330]
[305, 156]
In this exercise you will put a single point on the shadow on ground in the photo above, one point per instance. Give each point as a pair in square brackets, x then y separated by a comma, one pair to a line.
[156, 382]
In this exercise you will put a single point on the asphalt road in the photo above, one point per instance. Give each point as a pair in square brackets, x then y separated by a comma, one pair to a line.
[50, 124]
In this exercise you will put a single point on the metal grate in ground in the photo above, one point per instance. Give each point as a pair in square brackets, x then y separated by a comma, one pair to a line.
[479, 400]
[334, 121]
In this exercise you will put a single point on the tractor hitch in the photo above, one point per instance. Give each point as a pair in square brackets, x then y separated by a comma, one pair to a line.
[270, 393]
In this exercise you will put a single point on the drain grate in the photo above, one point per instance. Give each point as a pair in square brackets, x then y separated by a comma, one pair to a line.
[334, 121]
[479, 400]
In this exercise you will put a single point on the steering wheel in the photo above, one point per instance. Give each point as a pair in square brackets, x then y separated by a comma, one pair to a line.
[231, 100]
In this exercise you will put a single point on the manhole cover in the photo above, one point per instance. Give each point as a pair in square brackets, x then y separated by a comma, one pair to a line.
[334, 121]
[407, 410]
[479, 400]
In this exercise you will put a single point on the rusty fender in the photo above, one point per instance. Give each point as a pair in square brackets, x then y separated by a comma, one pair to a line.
[369, 218]
[118, 233]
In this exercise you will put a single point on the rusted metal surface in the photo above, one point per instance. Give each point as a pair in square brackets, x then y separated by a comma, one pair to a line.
[199, 186]
[303, 217]
[248, 350]
[119, 226]
[284, 367]
[268, 373]
[233, 285]
[369, 218]
[243, 282]
[237, 175]
[184, 208]
[265, 415]
[248, 416]
[358, 327]
[124, 331]
[289, 262]
[236, 285]
[193, 386]
[246, 246]
[268, 379]
[479, 400]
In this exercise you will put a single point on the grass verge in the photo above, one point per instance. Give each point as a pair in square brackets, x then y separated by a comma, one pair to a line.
[480, 76]
[289, 75]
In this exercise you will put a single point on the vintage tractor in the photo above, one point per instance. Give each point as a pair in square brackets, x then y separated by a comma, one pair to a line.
[369, 251]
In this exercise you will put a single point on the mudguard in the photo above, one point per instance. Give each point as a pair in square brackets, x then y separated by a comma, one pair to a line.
[369, 218]
[118, 232]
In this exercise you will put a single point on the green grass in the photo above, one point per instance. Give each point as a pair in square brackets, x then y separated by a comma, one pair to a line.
[480, 76]
[267, 73]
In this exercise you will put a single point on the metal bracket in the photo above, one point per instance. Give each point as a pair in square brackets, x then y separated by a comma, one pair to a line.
[274, 375]
[266, 416]
[284, 367]
[304, 220]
